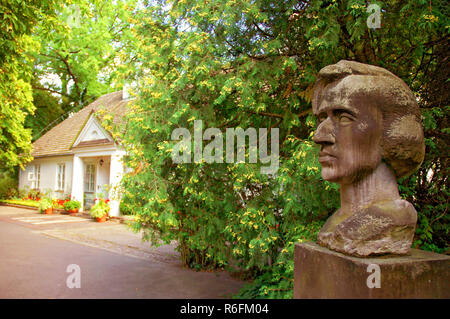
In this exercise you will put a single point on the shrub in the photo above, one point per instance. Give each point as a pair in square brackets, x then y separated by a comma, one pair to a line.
[72, 204]
[8, 186]
[100, 209]
[44, 204]
[23, 192]
[35, 194]
[125, 208]
[231, 215]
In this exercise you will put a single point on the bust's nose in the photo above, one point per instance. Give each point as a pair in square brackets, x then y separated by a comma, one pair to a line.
[325, 133]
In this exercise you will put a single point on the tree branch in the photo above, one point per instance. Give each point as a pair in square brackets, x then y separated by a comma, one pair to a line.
[49, 90]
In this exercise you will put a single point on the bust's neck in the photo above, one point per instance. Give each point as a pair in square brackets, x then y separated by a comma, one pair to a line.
[378, 186]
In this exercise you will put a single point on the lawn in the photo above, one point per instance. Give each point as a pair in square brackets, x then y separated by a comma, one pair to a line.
[58, 204]
[24, 202]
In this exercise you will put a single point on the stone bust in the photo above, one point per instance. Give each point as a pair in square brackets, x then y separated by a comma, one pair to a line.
[370, 134]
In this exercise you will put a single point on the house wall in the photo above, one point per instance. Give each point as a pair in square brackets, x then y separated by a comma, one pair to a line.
[48, 175]
[109, 173]
[102, 170]
[103, 174]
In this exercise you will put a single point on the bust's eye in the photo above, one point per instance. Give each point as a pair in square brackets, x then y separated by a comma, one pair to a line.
[345, 118]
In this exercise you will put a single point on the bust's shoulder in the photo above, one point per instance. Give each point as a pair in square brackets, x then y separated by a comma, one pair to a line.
[399, 211]
[383, 227]
[378, 218]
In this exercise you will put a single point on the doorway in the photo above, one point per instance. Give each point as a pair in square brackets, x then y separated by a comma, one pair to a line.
[89, 185]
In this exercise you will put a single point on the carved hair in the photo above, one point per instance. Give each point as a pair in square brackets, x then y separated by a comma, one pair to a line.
[403, 146]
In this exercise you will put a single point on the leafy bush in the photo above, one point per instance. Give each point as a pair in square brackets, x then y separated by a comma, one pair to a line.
[252, 65]
[100, 208]
[277, 280]
[8, 186]
[125, 208]
[35, 194]
[72, 204]
[44, 204]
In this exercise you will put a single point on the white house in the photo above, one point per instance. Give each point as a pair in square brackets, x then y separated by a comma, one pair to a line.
[79, 156]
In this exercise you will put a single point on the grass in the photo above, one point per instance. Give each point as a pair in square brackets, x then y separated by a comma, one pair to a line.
[27, 202]
[30, 203]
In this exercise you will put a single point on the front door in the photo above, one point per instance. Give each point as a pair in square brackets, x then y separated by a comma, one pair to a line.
[89, 186]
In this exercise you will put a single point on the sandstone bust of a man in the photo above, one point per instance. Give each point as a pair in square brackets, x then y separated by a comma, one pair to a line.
[370, 134]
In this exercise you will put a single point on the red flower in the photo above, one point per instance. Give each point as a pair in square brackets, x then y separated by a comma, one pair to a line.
[106, 201]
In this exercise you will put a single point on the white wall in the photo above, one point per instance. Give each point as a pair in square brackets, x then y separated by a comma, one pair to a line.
[115, 176]
[109, 173]
[77, 181]
[48, 180]
[103, 174]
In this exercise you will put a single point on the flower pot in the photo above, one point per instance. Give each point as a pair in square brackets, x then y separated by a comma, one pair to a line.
[49, 211]
[73, 212]
[101, 219]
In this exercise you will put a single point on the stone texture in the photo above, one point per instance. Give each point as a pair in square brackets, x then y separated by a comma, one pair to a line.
[386, 228]
[322, 273]
[370, 134]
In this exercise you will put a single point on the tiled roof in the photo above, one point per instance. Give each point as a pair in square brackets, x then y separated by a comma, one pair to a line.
[59, 139]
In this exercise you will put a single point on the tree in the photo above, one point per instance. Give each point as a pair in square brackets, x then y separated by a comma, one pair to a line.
[48, 110]
[16, 24]
[79, 55]
[252, 64]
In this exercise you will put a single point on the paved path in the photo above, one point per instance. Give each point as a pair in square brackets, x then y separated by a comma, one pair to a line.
[36, 249]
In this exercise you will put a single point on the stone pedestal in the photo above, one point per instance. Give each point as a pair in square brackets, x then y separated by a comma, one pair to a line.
[322, 273]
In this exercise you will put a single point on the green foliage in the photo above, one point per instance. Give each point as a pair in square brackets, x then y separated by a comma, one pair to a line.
[252, 64]
[277, 280]
[222, 215]
[72, 204]
[8, 185]
[16, 23]
[78, 57]
[100, 209]
[34, 194]
[45, 203]
[125, 208]
[47, 110]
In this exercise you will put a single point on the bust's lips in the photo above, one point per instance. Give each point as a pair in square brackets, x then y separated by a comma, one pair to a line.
[325, 157]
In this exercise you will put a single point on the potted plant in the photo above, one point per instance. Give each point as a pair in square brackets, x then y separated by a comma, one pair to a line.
[46, 205]
[100, 209]
[72, 206]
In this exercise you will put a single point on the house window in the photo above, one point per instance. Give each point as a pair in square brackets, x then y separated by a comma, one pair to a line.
[89, 178]
[60, 177]
[36, 177]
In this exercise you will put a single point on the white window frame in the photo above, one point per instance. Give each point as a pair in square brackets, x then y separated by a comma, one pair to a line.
[35, 183]
[89, 185]
[60, 176]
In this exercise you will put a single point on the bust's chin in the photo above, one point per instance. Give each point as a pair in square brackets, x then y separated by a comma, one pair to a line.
[343, 175]
[333, 175]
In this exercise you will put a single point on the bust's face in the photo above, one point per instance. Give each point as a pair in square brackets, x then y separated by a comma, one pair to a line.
[349, 131]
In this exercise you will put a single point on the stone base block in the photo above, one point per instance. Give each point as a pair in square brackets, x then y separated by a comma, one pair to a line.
[322, 273]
